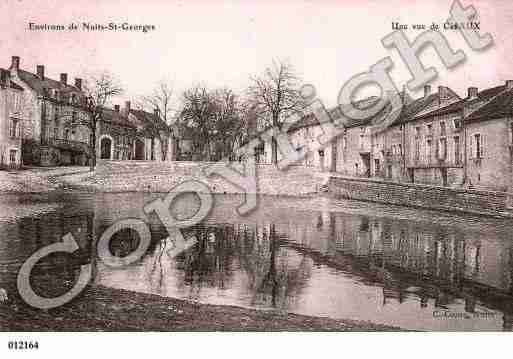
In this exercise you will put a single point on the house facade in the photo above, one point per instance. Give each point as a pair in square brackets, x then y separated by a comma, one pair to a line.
[12, 120]
[489, 138]
[438, 139]
[48, 137]
[130, 134]
[52, 129]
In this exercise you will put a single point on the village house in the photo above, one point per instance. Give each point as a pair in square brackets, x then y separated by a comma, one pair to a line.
[54, 133]
[425, 140]
[12, 119]
[155, 140]
[489, 137]
[303, 136]
[357, 154]
[115, 136]
[133, 134]
[48, 139]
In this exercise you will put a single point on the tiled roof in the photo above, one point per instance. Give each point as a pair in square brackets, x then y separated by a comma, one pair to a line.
[498, 107]
[38, 85]
[14, 85]
[345, 112]
[484, 95]
[307, 121]
[150, 119]
[375, 120]
[410, 110]
[115, 117]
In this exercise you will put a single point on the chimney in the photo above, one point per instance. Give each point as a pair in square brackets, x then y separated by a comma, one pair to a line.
[116, 108]
[472, 92]
[127, 107]
[509, 84]
[443, 94]
[4, 77]
[15, 63]
[64, 79]
[78, 83]
[40, 70]
[427, 90]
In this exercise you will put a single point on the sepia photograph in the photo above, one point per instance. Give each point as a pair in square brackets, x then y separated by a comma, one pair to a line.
[255, 166]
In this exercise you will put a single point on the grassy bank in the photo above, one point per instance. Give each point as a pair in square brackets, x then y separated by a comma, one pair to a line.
[105, 309]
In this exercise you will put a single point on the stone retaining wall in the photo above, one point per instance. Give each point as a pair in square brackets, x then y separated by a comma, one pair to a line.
[149, 176]
[423, 196]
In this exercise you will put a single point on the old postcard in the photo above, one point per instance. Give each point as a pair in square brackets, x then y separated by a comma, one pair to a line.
[249, 166]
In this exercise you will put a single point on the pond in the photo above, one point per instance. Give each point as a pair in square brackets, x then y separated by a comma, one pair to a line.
[415, 269]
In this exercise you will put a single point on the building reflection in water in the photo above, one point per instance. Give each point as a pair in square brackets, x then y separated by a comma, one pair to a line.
[308, 261]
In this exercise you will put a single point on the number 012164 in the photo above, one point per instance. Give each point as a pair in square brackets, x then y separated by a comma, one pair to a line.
[22, 345]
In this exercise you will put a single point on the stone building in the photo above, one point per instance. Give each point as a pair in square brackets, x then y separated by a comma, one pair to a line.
[53, 130]
[115, 136]
[425, 140]
[48, 137]
[12, 120]
[155, 140]
[362, 148]
[488, 131]
[132, 134]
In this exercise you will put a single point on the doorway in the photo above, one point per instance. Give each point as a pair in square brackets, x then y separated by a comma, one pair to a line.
[139, 149]
[444, 176]
[105, 148]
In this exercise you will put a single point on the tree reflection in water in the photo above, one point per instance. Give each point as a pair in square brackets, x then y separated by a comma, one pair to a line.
[272, 277]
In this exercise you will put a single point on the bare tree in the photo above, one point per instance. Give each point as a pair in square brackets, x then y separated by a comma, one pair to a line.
[99, 90]
[161, 99]
[275, 96]
[196, 118]
[214, 118]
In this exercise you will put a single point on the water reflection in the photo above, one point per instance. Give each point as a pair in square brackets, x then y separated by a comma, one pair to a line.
[343, 260]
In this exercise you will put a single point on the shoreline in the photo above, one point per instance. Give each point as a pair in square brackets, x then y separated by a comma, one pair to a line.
[100, 308]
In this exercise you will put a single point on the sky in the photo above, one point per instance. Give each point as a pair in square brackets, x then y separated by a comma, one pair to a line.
[223, 43]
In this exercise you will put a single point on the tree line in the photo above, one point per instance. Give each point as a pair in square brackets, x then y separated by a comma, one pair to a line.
[208, 124]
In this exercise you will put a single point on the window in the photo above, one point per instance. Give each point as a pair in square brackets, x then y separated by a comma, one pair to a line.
[442, 128]
[457, 123]
[417, 132]
[14, 128]
[56, 132]
[12, 156]
[376, 166]
[443, 149]
[17, 102]
[428, 150]
[66, 134]
[476, 146]
[457, 150]
[400, 149]
[430, 129]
